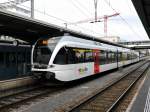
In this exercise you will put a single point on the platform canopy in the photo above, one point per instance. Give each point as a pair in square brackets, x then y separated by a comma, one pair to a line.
[143, 9]
[28, 29]
[25, 28]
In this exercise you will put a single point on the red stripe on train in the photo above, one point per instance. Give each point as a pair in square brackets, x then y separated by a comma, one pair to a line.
[96, 54]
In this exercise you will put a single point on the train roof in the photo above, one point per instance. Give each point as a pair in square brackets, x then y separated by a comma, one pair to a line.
[75, 41]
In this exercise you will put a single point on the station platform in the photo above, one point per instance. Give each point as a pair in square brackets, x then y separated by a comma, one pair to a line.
[141, 100]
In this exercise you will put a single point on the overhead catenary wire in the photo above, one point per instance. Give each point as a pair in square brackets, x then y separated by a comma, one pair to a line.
[78, 8]
[127, 2]
[130, 27]
[60, 19]
[85, 8]
[42, 12]
[89, 30]
[130, 8]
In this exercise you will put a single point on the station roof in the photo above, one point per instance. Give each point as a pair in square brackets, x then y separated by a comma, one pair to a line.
[30, 30]
[145, 44]
[25, 28]
[143, 9]
[140, 47]
[135, 42]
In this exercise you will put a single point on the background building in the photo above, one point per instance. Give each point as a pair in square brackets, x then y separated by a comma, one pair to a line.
[115, 39]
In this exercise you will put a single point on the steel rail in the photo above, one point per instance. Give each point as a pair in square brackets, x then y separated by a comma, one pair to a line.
[76, 107]
[126, 91]
[11, 100]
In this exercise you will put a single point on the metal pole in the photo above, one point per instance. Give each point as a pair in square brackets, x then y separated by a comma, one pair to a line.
[66, 25]
[95, 6]
[32, 8]
[105, 25]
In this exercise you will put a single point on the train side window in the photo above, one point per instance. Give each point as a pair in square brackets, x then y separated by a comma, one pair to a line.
[79, 55]
[109, 57]
[106, 61]
[70, 56]
[112, 57]
[103, 57]
[115, 56]
[123, 56]
[119, 56]
[61, 57]
[128, 56]
[89, 56]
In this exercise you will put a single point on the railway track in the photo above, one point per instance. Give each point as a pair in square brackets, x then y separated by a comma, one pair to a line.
[31, 94]
[15, 99]
[107, 99]
[12, 84]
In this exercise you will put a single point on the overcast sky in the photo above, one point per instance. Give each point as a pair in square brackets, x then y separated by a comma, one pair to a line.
[127, 25]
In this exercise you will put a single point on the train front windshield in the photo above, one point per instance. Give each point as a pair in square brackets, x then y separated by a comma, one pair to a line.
[41, 55]
[43, 51]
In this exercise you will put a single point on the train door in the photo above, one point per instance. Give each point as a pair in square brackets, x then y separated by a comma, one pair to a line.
[96, 54]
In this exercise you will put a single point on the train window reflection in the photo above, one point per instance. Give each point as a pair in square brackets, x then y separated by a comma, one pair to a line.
[61, 57]
[103, 57]
[70, 56]
[79, 55]
[89, 56]
[42, 55]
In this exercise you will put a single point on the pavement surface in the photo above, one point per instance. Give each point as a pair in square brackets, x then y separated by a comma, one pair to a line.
[142, 100]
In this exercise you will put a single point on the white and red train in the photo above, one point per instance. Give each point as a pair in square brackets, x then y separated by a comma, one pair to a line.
[68, 58]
